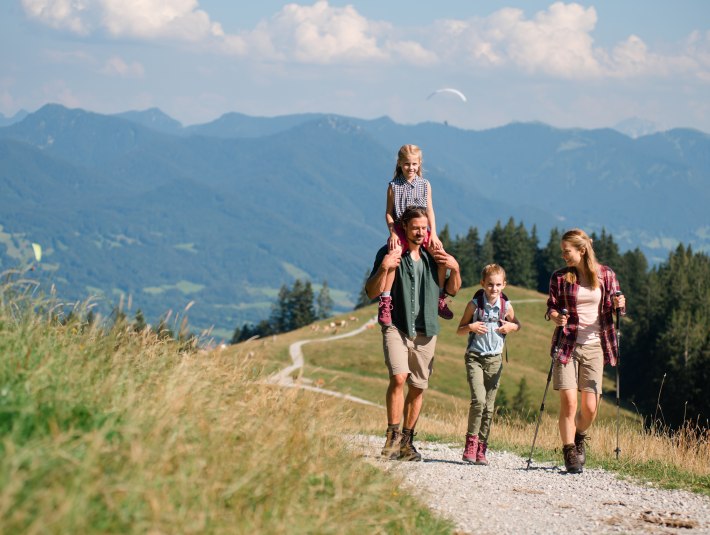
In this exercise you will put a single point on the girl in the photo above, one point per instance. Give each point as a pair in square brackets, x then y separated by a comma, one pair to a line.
[409, 188]
[586, 337]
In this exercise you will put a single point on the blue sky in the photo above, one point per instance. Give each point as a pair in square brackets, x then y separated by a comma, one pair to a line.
[583, 64]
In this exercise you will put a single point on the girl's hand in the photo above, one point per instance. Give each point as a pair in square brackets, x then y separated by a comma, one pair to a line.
[393, 242]
[435, 243]
[507, 327]
[478, 327]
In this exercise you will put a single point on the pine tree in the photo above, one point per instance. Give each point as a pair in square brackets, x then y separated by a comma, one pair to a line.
[467, 251]
[548, 261]
[362, 299]
[324, 303]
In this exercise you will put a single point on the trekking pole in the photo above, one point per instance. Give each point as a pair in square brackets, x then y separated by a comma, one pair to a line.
[549, 377]
[618, 364]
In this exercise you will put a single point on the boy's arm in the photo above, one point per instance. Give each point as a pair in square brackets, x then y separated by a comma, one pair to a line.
[510, 322]
[463, 327]
[466, 326]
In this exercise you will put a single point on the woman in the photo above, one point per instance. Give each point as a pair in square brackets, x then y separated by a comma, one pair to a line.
[584, 341]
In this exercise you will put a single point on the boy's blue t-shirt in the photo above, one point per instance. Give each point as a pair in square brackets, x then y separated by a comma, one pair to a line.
[492, 342]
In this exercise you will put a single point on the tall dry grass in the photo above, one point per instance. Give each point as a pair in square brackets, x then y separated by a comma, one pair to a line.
[113, 431]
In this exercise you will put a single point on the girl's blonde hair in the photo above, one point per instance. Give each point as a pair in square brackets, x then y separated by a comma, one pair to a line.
[406, 152]
[579, 240]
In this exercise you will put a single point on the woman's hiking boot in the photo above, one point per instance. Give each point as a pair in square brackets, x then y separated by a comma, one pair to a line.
[481, 453]
[444, 310]
[391, 449]
[384, 314]
[470, 450]
[407, 451]
[572, 464]
[580, 446]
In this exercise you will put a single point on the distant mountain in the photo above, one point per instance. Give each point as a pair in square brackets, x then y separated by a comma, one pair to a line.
[7, 121]
[223, 214]
[231, 125]
[635, 127]
[155, 119]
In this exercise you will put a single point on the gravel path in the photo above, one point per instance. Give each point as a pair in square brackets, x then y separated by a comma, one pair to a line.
[505, 498]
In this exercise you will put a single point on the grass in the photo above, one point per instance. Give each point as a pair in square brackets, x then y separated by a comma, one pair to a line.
[113, 431]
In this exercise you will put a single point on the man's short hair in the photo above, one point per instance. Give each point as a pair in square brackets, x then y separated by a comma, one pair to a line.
[412, 212]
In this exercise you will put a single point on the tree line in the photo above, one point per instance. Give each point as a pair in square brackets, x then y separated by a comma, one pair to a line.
[294, 308]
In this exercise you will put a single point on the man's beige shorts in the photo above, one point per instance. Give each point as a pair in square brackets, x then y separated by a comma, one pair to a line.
[583, 371]
[412, 356]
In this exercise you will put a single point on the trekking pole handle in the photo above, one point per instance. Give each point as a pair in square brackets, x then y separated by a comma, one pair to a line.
[618, 309]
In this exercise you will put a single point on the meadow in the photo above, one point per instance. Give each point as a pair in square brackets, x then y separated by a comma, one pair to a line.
[105, 429]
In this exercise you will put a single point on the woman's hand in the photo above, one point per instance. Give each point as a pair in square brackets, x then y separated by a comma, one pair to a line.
[558, 319]
[619, 301]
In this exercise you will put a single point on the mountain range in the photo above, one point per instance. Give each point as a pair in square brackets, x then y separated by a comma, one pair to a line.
[226, 212]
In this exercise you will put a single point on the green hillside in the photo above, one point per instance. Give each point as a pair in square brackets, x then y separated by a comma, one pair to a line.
[355, 365]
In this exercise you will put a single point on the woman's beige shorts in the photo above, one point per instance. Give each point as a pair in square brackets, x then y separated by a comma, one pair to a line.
[583, 371]
[406, 355]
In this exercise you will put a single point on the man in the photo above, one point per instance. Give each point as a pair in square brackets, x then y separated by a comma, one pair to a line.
[410, 341]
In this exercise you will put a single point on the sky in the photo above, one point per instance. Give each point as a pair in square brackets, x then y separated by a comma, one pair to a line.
[568, 64]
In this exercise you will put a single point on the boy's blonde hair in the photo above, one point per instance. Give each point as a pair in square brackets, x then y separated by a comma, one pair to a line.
[578, 239]
[406, 152]
[492, 269]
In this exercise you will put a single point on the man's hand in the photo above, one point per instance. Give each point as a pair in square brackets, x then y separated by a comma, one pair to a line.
[445, 259]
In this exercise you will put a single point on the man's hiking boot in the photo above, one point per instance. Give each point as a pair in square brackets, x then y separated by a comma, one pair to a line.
[580, 446]
[407, 451]
[384, 315]
[481, 453]
[470, 449]
[444, 310]
[391, 449]
[572, 464]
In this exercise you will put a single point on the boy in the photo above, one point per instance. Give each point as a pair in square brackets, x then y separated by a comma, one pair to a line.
[488, 317]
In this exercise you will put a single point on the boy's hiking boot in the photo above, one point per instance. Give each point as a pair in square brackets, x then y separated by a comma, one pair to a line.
[579, 445]
[391, 449]
[444, 310]
[384, 315]
[407, 451]
[481, 453]
[470, 449]
[572, 464]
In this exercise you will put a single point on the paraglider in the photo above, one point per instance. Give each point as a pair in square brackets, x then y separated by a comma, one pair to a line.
[450, 90]
[37, 248]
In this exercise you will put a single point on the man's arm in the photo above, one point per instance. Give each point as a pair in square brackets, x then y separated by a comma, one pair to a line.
[375, 285]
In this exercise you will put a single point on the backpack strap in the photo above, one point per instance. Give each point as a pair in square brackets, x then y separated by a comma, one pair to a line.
[479, 306]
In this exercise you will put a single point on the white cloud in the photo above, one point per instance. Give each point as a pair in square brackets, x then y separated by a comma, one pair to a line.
[556, 42]
[116, 66]
[317, 34]
[144, 19]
